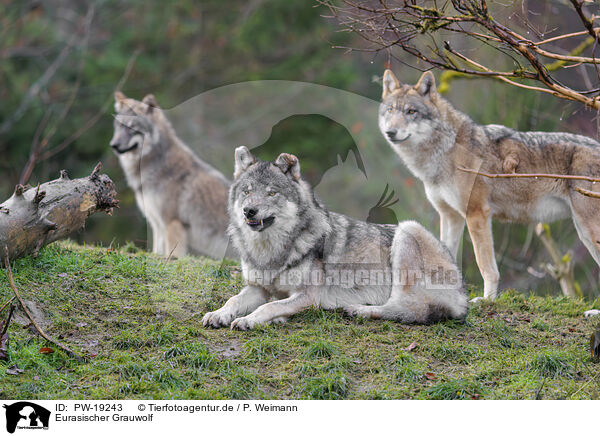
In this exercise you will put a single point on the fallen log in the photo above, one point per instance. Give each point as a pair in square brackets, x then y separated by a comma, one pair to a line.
[34, 217]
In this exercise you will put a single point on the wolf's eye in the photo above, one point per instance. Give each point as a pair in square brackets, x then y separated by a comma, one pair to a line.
[272, 193]
[411, 111]
[390, 109]
[133, 130]
[246, 192]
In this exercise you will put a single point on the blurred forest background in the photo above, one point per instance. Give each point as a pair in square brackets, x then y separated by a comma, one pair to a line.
[61, 61]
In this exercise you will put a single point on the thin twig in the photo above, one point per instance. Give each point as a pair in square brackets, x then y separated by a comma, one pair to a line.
[38, 86]
[586, 192]
[171, 253]
[33, 322]
[93, 120]
[405, 25]
[556, 38]
[7, 322]
[37, 144]
[529, 176]
[7, 303]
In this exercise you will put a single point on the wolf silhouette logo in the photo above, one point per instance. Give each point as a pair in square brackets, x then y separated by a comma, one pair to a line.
[29, 415]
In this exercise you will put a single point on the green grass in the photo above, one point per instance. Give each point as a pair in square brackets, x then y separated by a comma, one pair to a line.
[139, 317]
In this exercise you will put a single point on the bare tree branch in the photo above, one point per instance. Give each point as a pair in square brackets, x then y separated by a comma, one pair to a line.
[582, 191]
[387, 25]
[530, 176]
[40, 84]
[93, 120]
[37, 144]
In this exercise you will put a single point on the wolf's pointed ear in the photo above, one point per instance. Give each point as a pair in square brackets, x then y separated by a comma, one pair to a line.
[243, 159]
[119, 97]
[150, 101]
[390, 83]
[426, 84]
[289, 164]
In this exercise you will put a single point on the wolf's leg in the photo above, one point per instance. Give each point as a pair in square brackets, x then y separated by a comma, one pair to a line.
[245, 302]
[406, 258]
[155, 236]
[587, 237]
[403, 306]
[160, 241]
[452, 226]
[479, 223]
[158, 231]
[418, 294]
[176, 239]
[274, 311]
[585, 212]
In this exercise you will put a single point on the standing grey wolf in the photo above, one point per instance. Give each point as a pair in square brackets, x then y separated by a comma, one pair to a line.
[183, 198]
[434, 140]
[299, 254]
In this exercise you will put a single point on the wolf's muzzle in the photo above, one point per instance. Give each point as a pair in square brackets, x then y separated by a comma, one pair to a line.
[260, 224]
[391, 134]
[118, 150]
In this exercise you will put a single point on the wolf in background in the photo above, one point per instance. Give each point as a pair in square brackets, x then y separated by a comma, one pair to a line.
[434, 140]
[293, 251]
[183, 198]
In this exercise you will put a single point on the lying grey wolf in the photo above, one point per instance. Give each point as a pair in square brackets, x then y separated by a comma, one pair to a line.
[296, 252]
[183, 198]
[434, 140]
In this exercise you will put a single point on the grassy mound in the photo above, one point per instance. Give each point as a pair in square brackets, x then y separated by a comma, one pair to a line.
[139, 317]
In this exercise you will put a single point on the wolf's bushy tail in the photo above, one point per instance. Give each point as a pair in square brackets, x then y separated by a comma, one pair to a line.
[427, 285]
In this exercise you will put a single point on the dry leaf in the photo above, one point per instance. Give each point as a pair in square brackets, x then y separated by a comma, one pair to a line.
[411, 347]
[46, 350]
[430, 376]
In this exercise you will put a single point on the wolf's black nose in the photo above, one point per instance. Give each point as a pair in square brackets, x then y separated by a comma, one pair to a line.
[391, 134]
[249, 212]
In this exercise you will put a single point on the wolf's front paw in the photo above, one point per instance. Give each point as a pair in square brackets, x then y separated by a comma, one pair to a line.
[593, 312]
[244, 323]
[218, 318]
[358, 310]
[476, 300]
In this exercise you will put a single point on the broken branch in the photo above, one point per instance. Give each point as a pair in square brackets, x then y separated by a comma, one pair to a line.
[530, 176]
[415, 27]
[587, 193]
[32, 218]
[33, 322]
[7, 303]
[582, 191]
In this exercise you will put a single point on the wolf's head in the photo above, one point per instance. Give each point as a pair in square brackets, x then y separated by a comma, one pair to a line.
[274, 216]
[266, 195]
[134, 122]
[408, 115]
